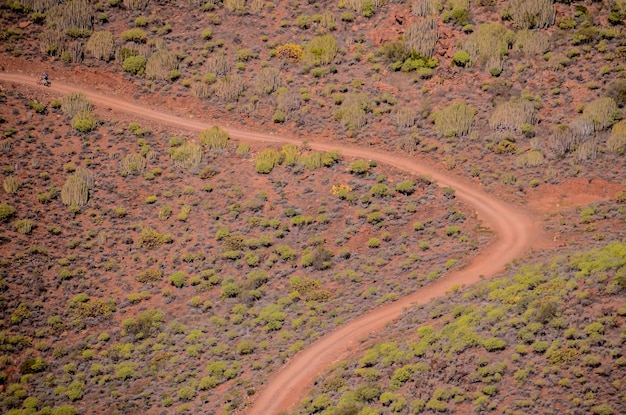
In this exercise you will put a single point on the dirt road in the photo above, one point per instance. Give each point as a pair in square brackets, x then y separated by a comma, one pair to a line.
[514, 234]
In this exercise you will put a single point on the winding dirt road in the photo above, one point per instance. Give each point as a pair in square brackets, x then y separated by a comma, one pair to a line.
[515, 233]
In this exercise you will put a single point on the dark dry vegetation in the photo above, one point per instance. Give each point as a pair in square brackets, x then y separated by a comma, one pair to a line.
[149, 270]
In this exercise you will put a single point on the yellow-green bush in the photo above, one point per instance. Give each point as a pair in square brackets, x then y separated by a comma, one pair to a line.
[454, 120]
[75, 192]
[214, 138]
[266, 160]
[6, 211]
[24, 226]
[84, 121]
[101, 45]
[151, 238]
[321, 50]
[135, 65]
[135, 35]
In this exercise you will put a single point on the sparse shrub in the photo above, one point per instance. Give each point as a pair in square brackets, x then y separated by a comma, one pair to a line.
[512, 115]
[603, 112]
[617, 141]
[186, 156]
[214, 138]
[455, 120]
[421, 37]
[75, 192]
[6, 211]
[24, 226]
[101, 45]
[532, 42]
[267, 80]
[161, 64]
[405, 117]
[72, 17]
[75, 102]
[11, 185]
[529, 14]
[218, 65]
[229, 88]
[132, 164]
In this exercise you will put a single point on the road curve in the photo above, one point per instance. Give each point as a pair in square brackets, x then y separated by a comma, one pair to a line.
[514, 234]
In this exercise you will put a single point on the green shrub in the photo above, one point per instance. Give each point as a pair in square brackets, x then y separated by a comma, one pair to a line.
[493, 344]
[266, 160]
[151, 239]
[178, 279]
[6, 211]
[135, 35]
[135, 65]
[461, 58]
[24, 226]
[84, 121]
[487, 41]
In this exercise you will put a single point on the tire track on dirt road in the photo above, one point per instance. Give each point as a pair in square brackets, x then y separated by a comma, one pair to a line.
[515, 232]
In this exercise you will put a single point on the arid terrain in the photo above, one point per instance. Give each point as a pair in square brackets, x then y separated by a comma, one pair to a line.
[271, 207]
